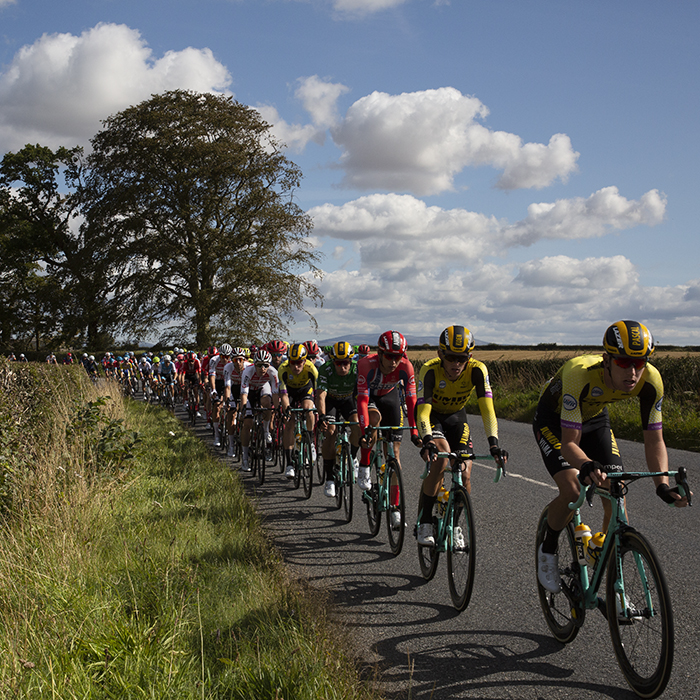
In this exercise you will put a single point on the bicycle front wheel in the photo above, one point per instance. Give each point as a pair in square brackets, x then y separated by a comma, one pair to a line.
[307, 465]
[428, 557]
[371, 498]
[558, 612]
[640, 615]
[320, 469]
[461, 548]
[345, 484]
[260, 452]
[396, 513]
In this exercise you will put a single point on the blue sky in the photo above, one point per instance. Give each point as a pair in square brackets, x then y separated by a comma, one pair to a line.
[527, 169]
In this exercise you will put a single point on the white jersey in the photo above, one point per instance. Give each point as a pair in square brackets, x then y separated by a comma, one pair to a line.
[232, 377]
[250, 379]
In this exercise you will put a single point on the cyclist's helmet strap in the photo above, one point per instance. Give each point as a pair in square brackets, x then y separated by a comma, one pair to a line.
[628, 339]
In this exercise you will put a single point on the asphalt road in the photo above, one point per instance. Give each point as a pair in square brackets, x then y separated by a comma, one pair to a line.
[406, 629]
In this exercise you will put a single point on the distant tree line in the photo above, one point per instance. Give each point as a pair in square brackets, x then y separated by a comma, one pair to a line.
[181, 220]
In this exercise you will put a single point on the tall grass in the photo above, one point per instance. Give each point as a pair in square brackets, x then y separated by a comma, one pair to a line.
[147, 577]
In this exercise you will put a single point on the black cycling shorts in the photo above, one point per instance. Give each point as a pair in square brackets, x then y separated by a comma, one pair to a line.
[452, 427]
[597, 441]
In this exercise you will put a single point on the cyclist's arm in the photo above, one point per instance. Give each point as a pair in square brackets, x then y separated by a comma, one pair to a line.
[321, 401]
[656, 454]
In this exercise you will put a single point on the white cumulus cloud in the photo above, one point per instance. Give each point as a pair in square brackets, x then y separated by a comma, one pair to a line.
[419, 142]
[360, 8]
[56, 90]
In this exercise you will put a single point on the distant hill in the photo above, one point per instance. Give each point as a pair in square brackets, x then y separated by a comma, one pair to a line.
[371, 340]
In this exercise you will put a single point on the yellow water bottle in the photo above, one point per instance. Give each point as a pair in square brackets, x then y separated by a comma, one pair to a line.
[442, 497]
[582, 536]
[595, 548]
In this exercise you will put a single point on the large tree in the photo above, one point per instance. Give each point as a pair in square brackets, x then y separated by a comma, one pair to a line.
[202, 197]
[60, 275]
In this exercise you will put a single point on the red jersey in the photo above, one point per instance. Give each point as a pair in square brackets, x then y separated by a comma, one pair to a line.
[372, 382]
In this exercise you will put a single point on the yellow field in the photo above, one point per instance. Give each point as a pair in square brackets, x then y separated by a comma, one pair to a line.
[487, 356]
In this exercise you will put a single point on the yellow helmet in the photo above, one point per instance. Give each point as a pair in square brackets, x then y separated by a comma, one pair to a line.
[343, 351]
[297, 352]
[628, 339]
[457, 340]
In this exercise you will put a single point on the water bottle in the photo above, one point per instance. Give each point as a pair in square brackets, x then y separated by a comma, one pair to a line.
[595, 548]
[582, 535]
[442, 497]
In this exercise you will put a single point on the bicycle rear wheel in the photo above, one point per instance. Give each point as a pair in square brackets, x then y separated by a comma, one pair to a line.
[320, 469]
[562, 620]
[307, 465]
[396, 513]
[461, 548]
[641, 627]
[346, 484]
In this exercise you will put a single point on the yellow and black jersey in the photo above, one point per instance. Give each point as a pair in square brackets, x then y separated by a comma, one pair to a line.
[436, 392]
[577, 393]
[288, 380]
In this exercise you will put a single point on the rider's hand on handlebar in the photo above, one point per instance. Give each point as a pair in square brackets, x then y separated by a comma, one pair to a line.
[499, 454]
[591, 473]
[416, 439]
[671, 495]
[214, 395]
[430, 450]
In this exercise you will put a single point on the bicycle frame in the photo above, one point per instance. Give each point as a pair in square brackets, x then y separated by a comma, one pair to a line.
[616, 528]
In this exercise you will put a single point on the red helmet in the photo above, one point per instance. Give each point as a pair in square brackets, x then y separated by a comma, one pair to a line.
[191, 355]
[277, 346]
[363, 349]
[212, 350]
[392, 341]
[312, 348]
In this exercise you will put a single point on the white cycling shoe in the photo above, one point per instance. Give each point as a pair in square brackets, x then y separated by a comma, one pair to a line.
[363, 480]
[289, 471]
[329, 489]
[425, 535]
[548, 571]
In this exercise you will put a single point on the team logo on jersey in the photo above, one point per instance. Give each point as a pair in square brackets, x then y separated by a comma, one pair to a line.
[596, 391]
[361, 379]
[420, 385]
[568, 402]
[442, 384]
[658, 404]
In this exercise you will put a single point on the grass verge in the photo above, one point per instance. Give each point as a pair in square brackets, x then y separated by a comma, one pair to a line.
[155, 580]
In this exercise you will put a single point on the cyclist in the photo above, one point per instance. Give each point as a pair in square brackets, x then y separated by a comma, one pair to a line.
[444, 387]
[298, 379]
[190, 373]
[233, 372]
[314, 353]
[145, 372]
[211, 352]
[278, 350]
[216, 383]
[572, 428]
[363, 350]
[259, 387]
[167, 375]
[335, 393]
[379, 403]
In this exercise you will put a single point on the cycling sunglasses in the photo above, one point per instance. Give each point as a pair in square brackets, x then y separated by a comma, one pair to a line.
[297, 362]
[342, 363]
[393, 355]
[627, 362]
[264, 365]
[457, 358]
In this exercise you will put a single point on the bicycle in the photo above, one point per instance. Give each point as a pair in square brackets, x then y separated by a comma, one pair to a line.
[303, 454]
[637, 605]
[257, 445]
[386, 493]
[453, 531]
[344, 473]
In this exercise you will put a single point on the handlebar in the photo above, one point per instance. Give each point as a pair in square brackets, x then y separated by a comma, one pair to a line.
[461, 457]
[681, 476]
